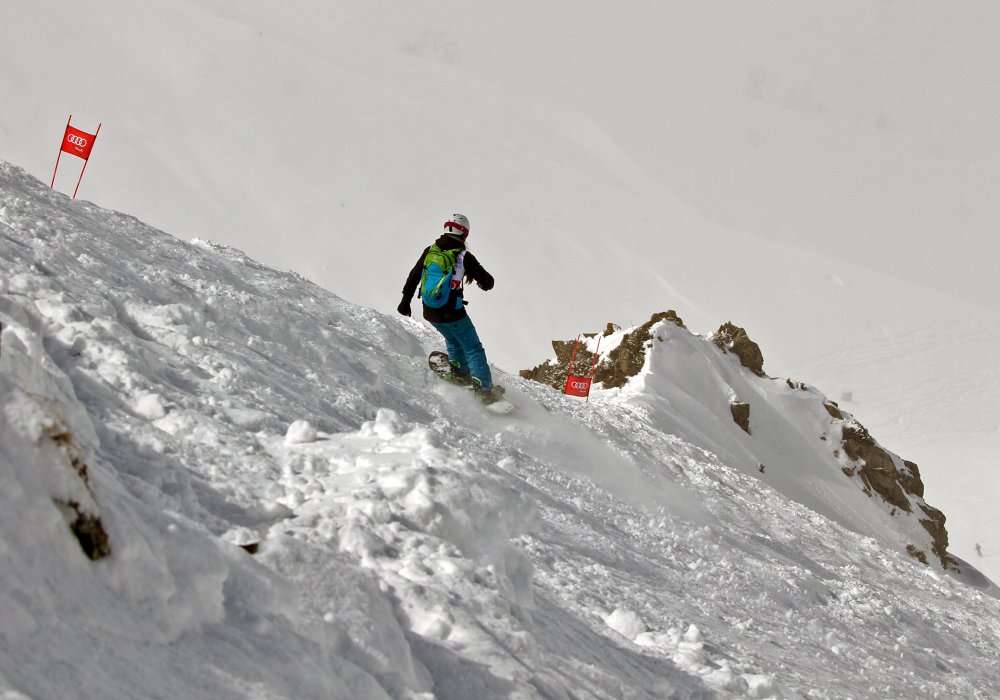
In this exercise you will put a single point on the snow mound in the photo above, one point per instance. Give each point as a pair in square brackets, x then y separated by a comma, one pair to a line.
[300, 431]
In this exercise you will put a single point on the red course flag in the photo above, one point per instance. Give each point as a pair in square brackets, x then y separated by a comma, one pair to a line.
[580, 386]
[577, 386]
[77, 143]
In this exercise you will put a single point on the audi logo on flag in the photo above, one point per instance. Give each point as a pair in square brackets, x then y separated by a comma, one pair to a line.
[76, 143]
[577, 386]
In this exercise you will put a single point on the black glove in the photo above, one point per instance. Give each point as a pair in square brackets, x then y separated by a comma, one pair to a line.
[404, 307]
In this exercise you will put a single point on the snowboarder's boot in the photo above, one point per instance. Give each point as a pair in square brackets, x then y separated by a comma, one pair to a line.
[487, 396]
[448, 369]
[457, 376]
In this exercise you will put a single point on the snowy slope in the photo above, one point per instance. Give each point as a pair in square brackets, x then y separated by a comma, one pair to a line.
[930, 392]
[794, 439]
[821, 172]
[408, 544]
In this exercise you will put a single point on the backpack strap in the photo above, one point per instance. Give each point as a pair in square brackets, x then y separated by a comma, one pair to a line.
[459, 267]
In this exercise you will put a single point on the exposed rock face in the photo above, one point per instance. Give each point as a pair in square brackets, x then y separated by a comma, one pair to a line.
[910, 479]
[86, 526]
[89, 530]
[555, 374]
[917, 554]
[741, 414]
[878, 470]
[626, 360]
[618, 367]
[732, 338]
[833, 409]
[934, 524]
[896, 481]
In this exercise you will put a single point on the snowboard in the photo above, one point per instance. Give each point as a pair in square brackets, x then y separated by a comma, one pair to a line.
[438, 362]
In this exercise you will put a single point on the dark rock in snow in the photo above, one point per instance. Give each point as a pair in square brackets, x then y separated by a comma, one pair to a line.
[732, 338]
[86, 526]
[898, 482]
[741, 414]
[621, 363]
[833, 409]
[626, 360]
[878, 470]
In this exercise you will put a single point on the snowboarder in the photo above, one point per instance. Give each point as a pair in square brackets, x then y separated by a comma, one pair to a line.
[979, 550]
[448, 255]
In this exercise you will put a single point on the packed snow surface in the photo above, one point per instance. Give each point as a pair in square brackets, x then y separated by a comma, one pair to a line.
[821, 173]
[297, 508]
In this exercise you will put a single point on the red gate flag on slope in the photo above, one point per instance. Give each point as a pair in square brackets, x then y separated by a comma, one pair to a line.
[78, 143]
[580, 386]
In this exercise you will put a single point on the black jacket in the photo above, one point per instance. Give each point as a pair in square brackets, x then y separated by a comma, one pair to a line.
[473, 271]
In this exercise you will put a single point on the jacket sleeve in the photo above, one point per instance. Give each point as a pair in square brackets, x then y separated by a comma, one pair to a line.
[477, 273]
[413, 279]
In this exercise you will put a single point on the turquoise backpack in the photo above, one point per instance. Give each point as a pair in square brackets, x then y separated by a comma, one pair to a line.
[435, 283]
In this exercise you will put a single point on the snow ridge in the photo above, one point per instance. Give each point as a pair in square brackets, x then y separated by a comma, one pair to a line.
[787, 433]
[297, 509]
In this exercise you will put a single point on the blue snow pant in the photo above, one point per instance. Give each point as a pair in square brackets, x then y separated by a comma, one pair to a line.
[464, 347]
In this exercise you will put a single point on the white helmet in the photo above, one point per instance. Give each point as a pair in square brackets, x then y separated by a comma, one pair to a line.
[457, 225]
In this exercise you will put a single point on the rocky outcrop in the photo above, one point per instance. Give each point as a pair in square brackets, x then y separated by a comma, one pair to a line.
[741, 414]
[833, 409]
[909, 479]
[626, 360]
[732, 338]
[555, 373]
[880, 474]
[622, 363]
[877, 469]
[897, 482]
